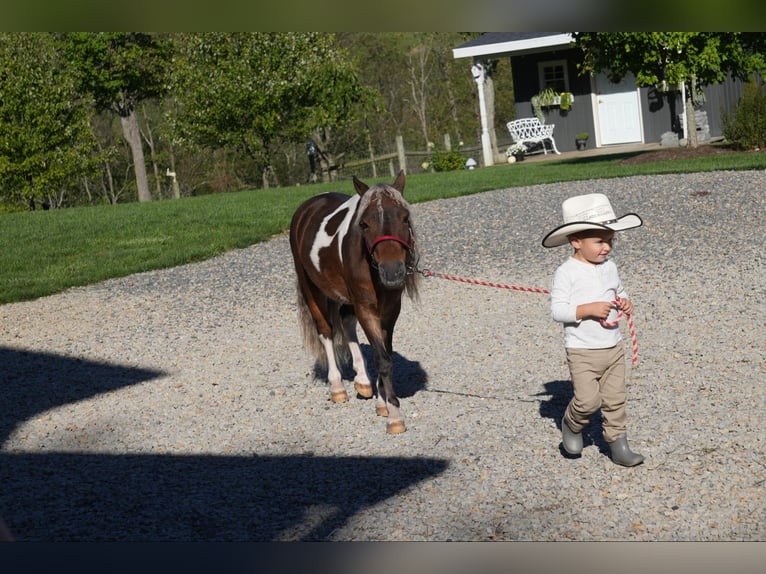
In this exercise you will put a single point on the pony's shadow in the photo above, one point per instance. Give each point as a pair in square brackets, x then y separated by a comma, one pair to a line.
[409, 376]
[560, 393]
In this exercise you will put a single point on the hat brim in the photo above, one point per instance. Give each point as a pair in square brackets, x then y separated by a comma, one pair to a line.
[559, 235]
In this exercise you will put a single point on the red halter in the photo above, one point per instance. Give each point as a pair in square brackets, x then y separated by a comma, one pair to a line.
[371, 246]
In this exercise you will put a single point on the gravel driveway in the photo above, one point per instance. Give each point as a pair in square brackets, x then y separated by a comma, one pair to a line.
[179, 405]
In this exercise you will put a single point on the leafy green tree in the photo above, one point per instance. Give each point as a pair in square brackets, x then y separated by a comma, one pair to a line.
[746, 126]
[382, 66]
[253, 90]
[121, 69]
[46, 143]
[669, 58]
[421, 91]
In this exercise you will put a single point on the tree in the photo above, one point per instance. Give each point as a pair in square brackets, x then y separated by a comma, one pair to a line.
[46, 143]
[665, 59]
[252, 90]
[121, 69]
[420, 69]
[421, 91]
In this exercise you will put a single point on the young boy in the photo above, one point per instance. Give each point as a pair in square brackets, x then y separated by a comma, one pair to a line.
[586, 296]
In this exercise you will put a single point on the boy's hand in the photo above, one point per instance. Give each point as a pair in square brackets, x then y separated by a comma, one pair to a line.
[598, 309]
[626, 306]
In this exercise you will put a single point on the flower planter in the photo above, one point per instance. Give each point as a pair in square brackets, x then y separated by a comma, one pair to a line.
[581, 144]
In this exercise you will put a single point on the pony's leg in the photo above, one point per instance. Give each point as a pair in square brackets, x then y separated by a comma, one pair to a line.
[380, 335]
[338, 393]
[318, 308]
[387, 403]
[362, 383]
[384, 360]
[381, 409]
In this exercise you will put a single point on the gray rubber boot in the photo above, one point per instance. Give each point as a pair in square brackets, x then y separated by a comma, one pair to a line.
[621, 453]
[571, 440]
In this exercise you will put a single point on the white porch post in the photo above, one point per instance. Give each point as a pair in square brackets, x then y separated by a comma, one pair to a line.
[685, 120]
[478, 72]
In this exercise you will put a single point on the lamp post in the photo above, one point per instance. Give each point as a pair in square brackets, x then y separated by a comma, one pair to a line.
[479, 74]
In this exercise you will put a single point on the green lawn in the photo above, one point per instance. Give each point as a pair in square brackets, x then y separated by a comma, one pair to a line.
[44, 252]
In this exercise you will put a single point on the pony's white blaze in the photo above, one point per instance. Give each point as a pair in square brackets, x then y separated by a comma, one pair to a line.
[324, 239]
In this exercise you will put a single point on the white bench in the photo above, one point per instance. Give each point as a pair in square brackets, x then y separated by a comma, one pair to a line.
[531, 131]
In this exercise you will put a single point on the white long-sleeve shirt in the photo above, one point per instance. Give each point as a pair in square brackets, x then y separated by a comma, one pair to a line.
[576, 283]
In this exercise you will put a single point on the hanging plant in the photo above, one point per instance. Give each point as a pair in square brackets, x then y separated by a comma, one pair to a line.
[546, 98]
[566, 100]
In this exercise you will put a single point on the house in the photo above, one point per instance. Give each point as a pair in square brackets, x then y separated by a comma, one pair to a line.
[611, 113]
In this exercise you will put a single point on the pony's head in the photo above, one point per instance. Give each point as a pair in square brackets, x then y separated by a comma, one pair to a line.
[383, 218]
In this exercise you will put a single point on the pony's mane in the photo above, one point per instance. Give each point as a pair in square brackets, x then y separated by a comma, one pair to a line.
[375, 191]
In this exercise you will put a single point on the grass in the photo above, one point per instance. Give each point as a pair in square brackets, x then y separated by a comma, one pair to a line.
[44, 252]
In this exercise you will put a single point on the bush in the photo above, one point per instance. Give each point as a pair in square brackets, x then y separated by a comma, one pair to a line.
[746, 128]
[447, 161]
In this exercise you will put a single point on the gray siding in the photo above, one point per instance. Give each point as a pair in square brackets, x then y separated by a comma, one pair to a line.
[568, 123]
[660, 111]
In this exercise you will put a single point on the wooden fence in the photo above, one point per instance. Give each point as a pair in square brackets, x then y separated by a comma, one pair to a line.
[388, 165]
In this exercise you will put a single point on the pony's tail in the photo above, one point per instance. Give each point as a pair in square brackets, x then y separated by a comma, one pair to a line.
[311, 337]
[309, 331]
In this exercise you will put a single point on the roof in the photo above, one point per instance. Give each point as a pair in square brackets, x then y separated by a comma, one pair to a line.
[506, 43]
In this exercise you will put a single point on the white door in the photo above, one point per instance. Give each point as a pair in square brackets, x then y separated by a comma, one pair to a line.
[619, 110]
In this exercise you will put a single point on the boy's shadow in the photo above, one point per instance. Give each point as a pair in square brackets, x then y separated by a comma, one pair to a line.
[560, 393]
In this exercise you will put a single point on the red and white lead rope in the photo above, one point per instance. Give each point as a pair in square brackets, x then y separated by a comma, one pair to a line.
[427, 273]
[629, 317]
[631, 328]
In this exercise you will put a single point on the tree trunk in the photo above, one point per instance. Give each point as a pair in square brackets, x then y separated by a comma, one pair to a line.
[176, 188]
[327, 160]
[132, 135]
[149, 138]
[265, 178]
[419, 71]
[489, 99]
[451, 99]
[691, 121]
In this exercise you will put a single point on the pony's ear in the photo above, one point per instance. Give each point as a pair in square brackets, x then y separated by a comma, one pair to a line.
[399, 183]
[360, 186]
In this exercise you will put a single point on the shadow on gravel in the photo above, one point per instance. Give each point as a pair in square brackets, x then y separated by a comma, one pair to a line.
[409, 376]
[560, 393]
[99, 497]
[81, 497]
[34, 382]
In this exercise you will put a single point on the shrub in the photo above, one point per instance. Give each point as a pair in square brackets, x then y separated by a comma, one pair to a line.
[447, 161]
[746, 128]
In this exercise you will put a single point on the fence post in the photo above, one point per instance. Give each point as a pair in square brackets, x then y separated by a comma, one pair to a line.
[372, 158]
[400, 152]
[447, 143]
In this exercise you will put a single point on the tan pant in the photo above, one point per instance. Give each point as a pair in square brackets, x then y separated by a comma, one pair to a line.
[598, 378]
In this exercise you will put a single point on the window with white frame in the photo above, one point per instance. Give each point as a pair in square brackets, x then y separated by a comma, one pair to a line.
[553, 74]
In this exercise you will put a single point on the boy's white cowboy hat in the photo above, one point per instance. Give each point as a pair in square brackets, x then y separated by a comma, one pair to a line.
[592, 211]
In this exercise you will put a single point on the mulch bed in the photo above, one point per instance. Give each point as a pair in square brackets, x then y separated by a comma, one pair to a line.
[674, 153]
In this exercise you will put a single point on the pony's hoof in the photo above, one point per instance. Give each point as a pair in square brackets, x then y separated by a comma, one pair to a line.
[395, 427]
[381, 411]
[339, 396]
[363, 390]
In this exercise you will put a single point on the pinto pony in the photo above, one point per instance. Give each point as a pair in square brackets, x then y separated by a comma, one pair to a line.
[354, 257]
